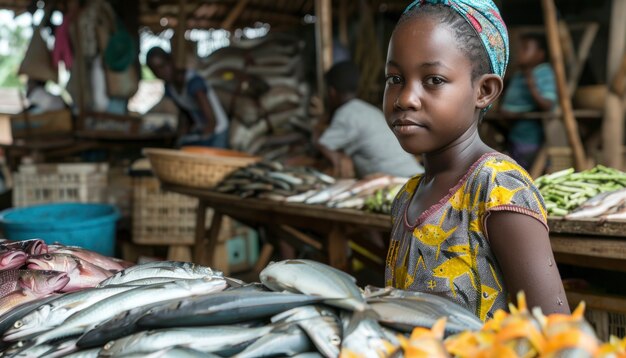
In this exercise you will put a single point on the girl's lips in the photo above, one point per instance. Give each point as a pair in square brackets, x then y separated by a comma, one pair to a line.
[407, 128]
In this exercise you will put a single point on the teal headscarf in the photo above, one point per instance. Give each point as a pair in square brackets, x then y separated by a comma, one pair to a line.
[485, 19]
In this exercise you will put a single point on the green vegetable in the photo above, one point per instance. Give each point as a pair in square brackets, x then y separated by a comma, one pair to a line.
[566, 190]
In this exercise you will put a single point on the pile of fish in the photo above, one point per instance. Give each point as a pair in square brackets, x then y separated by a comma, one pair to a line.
[261, 85]
[274, 181]
[176, 309]
[566, 190]
[31, 270]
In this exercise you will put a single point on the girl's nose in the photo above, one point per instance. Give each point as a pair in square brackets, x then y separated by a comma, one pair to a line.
[409, 99]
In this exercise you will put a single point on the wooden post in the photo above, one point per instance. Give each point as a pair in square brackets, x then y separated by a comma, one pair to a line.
[343, 23]
[180, 50]
[613, 125]
[228, 22]
[556, 55]
[324, 41]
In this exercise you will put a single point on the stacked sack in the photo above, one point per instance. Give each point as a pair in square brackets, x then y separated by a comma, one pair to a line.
[261, 85]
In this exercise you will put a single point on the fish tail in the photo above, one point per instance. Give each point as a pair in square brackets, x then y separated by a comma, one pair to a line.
[361, 315]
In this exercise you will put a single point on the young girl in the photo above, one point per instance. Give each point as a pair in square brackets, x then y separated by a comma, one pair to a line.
[473, 226]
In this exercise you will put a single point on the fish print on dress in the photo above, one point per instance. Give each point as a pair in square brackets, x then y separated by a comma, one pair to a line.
[446, 252]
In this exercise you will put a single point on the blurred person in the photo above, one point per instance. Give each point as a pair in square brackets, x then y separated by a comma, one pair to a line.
[195, 98]
[531, 88]
[359, 130]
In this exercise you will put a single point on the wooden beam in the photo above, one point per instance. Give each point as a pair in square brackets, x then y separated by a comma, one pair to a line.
[324, 41]
[180, 50]
[343, 23]
[228, 22]
[613, 125]
[556, 55]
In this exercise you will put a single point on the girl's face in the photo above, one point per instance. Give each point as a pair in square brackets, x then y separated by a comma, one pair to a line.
[429, 100]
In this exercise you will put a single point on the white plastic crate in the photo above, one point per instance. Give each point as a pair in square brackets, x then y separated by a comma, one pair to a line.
[54, 183]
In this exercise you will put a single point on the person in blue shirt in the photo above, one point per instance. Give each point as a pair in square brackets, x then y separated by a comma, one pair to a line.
[208, 124]
[531, 88]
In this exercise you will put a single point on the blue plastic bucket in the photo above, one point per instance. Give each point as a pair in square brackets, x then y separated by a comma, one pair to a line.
[91, 226]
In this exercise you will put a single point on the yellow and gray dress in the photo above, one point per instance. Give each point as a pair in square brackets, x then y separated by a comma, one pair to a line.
[446, 252]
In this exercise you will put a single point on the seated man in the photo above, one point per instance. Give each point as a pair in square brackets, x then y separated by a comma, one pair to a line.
[359, 130]
[532, 88]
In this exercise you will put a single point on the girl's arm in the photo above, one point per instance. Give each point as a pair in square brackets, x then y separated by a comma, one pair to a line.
[522, 246]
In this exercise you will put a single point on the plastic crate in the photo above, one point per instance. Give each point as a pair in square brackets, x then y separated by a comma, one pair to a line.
[162, 218]
[55, 183]
[243, 248]
[606, 324]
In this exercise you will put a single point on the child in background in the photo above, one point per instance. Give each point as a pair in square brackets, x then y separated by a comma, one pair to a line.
[532, 88]
[473, 227]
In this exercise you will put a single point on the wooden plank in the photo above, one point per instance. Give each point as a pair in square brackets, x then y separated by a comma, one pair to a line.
[199, 245]
[592, 227]
[600, 302]
[556, 56]
[343, 23]
[338, 249]
[591, 262]
[587, 246]
[613, 125]
[302, 237]
[228, 22]
[208, 253]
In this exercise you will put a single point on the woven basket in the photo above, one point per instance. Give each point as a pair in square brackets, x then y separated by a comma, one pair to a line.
[191, 169]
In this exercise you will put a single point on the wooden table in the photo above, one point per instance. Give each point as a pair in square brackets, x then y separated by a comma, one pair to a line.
[287, 221]
[587, 243]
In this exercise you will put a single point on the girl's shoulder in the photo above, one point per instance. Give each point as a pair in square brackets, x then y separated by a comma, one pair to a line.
[504, 185]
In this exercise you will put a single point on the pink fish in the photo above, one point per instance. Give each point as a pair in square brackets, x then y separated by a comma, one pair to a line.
[31, 247]
[11, 259]
[32, 285]
[82, 273]
[107, 263]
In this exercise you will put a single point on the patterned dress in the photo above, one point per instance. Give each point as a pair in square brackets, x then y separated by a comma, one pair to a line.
[446, 252]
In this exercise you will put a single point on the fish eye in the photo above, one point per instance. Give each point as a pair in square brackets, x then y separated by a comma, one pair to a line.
[335, 340]
[18, 324]
[47, 257]
[108, 346]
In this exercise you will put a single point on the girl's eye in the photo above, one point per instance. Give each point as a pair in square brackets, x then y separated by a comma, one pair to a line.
[435, 81]
[393, 80]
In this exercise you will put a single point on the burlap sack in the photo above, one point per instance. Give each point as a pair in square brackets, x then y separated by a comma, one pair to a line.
[37, 63]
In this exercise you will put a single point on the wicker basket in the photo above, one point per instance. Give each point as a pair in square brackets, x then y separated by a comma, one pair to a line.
[192, 169]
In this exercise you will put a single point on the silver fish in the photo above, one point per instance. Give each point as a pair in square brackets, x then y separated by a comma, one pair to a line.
[87, 353]
[206, 339]
[226, 307]
[321, 325]
[328, 193]
[314, 278]
[86, 319]
[365, 338]
[52, 314]
[8, 319]
[420, 307]
[180, 270]
[598, 205]
[404, 314]
[284, 342]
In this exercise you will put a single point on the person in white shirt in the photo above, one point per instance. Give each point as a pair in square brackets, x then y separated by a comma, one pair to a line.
[359, 130]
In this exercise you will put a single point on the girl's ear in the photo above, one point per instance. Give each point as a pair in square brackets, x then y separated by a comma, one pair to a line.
[489, 88]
